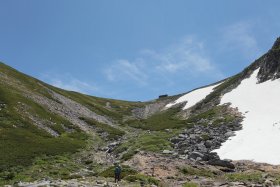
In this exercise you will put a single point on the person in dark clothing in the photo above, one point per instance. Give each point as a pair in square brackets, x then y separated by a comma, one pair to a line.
[118, 171]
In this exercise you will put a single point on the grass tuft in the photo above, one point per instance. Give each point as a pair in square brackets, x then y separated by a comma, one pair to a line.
[245, 177]
[189, 170]
[190, 184]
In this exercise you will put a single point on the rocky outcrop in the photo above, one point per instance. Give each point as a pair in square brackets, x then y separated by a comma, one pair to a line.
[270, 64]
[222, 163]
[150, 109]
[198, 142]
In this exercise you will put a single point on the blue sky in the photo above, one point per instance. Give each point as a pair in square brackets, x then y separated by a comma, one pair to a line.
[135, 50]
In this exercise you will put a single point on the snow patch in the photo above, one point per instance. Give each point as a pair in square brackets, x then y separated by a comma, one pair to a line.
[193, 97]
[260, 137]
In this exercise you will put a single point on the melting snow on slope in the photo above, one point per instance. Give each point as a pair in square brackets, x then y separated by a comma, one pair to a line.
[193, 97]
[259, 140]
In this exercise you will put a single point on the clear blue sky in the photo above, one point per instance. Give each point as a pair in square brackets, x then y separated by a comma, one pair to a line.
[135, 50]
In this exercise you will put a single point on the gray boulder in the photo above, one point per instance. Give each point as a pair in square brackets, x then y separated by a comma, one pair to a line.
[194, 155]
[222, 163]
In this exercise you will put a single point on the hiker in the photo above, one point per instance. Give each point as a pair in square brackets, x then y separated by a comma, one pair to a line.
[118, 171]
[142, 183]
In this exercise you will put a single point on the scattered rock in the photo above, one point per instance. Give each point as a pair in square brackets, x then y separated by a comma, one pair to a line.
[222, 163]
[195, 155]
[167, 152]
[229, 134]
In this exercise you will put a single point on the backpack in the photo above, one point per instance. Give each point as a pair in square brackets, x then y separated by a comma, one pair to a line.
[118, 170]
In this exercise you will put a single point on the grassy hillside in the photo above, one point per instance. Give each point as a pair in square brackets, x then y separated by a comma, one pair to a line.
[22, 138]
[110, 107]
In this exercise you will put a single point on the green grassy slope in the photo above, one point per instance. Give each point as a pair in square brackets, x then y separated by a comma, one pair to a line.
[116, 110]
[21, 141]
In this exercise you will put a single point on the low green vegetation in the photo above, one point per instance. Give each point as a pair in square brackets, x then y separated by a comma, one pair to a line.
[277, 178]
[152, 142]
[129, 154]
[113, 133]
[20, 146]
[146, 180]
[21, 141]
[126, 171]
[190, 184]
[56, 167]
[245, 177]
[189, 170]
[205, 136]
[215, 114]
[28, 82]
[129, 174]
[163, 120]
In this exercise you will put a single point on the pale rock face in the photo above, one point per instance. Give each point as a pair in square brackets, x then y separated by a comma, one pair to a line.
[260, 137]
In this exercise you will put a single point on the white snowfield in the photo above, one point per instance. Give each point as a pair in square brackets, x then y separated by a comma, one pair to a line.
[259, 140]
[193, 97]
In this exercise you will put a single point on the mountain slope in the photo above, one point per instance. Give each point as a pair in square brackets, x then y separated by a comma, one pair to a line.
[21, 140]
[253, 92]
[42, 127]
[47, 131]
[39, 119]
